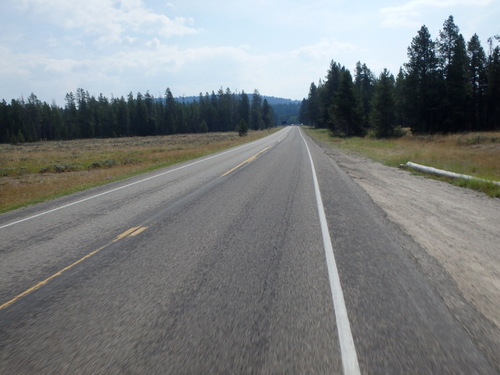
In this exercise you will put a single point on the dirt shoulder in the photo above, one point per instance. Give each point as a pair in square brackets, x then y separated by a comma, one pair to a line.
[458, 231]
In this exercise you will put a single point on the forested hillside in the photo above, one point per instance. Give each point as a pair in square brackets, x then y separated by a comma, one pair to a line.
[85, 116]
[446, 86]
[286, 111]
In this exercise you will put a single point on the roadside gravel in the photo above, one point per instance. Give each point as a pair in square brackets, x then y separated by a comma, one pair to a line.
[458, 235]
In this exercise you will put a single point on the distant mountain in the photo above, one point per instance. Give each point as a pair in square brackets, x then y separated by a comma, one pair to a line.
[272, 100]
[186, 99]
[286, 111]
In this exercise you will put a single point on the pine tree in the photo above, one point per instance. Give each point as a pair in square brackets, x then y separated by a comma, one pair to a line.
[345, 114]
[447, 42]
[303, 112]
[242, 128]
[422, 87]
[256, 121]
[383, 114]
[401, 99]
[364, 86]
[244, 107]
[170, 112]
[313, 106]
[225, 110]
[267, 114]
[4, 122]
[327, 92]
[493, 88]
[86, 123]
[32, 119]
[454, 65]
[71, 116]
[477, 82]
[140, 116]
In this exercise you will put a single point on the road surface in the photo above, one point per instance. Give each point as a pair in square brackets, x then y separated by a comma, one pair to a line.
[223, 265]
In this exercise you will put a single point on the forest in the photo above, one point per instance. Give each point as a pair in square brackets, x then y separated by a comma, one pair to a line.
[85, 116]
[447, 86]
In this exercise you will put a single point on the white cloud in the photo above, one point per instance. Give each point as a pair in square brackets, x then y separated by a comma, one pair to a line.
[408, 14]
[52, 47]
[156, 66]
[108, 19]
[14, 64]
[325, 48]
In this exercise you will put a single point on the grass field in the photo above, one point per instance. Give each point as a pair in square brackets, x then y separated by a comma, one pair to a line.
[33, 172]
[475, 154]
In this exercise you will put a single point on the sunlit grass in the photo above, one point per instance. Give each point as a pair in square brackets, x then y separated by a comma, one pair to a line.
[474, 154]
[33, 172]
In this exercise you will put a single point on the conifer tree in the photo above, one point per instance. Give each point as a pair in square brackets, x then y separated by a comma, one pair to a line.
[477, 82]
[313, 106]
[267, 114]
[383, 114]
[401, 99]
[244, 107]
[422, 85]
[493, 87]
[345, 115]
[242, 128]
[364, 84]
[454, 66]
[256, 121]
[303, 113]
[327, 92]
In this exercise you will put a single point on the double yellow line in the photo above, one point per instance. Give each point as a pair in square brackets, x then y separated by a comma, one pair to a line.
[134, 231]
[250, 159]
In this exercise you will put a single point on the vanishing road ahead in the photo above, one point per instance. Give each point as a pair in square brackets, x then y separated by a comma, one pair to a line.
[222, 265]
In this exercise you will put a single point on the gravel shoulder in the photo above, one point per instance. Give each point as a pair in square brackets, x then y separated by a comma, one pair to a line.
[458, 233]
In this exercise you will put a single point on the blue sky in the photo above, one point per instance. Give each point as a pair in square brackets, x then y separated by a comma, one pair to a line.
[113, 47]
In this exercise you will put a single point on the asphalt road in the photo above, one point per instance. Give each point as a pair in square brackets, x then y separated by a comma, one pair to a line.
[218, 266]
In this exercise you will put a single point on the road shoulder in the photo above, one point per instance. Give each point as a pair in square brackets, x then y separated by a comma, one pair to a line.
[457, 230]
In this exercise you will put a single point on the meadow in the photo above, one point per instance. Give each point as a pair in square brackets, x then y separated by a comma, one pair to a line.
[34, 172]
[474, 154]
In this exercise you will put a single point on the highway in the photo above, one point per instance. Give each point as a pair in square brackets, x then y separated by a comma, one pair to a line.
[262, 259]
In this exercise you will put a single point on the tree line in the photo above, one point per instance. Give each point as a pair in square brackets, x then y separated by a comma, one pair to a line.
[446, 86]
[85, 116]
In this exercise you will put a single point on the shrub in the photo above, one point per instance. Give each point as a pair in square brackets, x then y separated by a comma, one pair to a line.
[242, 128]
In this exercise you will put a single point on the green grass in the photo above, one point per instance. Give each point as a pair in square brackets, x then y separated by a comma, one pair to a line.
[474, 154]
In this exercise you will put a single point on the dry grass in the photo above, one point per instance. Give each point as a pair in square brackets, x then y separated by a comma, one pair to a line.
[34, 172]
[475, 154]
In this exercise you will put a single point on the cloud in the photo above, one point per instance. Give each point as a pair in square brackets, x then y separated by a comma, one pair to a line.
[154, 65]
[407, 15]
[325, 48]
[15, 64]
[108, 19]
[151, 58]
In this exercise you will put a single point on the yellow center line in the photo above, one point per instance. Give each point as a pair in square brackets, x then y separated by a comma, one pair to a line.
[250, 159]
[131, 232]
[125, 234]
[139, 230]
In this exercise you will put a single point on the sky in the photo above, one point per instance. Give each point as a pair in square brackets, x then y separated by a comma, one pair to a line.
[279, 47]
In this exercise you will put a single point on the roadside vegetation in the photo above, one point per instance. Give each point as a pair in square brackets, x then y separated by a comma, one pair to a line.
[447, 86]
[85, 116]
[34, 172]
[474, 154]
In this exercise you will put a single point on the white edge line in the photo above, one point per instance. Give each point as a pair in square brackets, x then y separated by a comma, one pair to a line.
[347, 349]
[128, 185]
